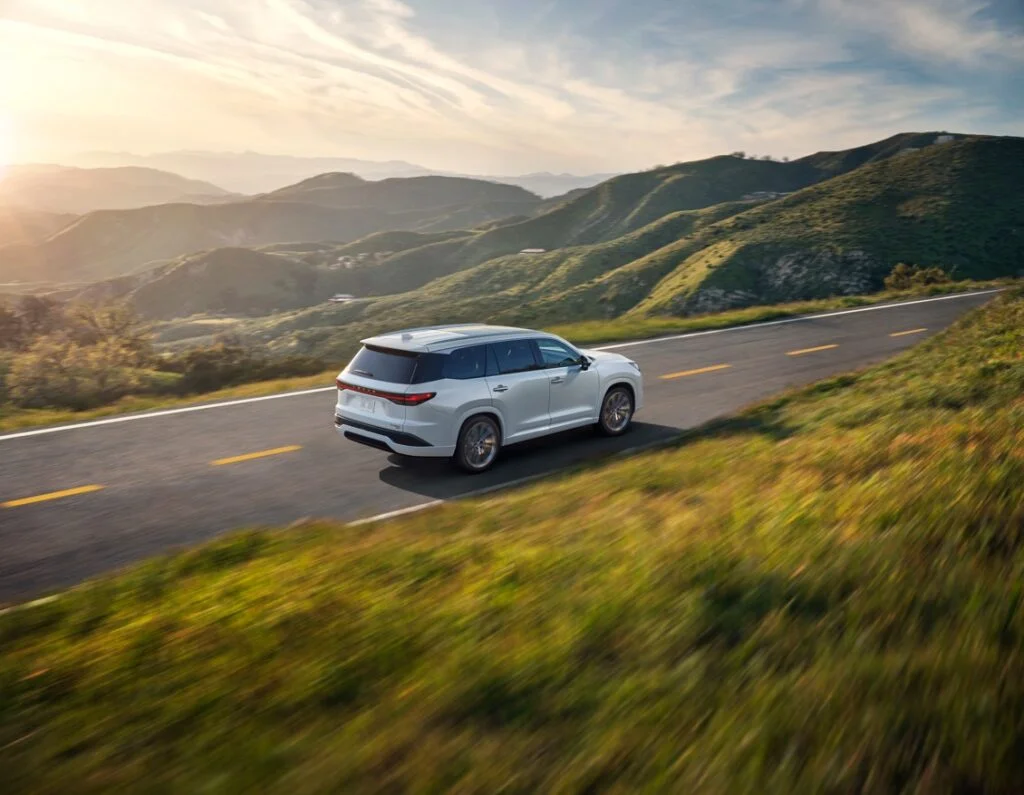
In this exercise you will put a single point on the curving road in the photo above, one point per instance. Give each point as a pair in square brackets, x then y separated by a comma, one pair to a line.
[79, 500]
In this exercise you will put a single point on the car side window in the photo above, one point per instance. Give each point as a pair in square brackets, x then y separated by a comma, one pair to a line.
[514, 356]
[556, 354]
[466, 363]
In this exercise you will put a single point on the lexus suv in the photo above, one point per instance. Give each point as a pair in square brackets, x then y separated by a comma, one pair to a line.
[464, 392]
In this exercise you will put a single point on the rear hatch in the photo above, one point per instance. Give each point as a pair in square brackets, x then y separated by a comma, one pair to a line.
[379, 384]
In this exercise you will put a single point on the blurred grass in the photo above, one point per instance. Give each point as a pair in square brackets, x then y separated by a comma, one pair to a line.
[822, 594]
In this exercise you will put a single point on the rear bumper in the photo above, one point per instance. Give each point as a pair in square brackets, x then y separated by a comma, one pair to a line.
[389, 440]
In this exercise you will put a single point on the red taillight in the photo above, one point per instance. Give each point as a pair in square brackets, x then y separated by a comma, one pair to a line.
[402, 400]
[411, 400]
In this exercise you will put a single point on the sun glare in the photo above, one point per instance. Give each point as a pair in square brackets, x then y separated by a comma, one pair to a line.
[6, 144]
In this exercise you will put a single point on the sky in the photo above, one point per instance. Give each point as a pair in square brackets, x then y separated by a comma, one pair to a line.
[502, 86]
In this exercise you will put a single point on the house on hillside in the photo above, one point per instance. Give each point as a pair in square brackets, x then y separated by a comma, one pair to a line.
[533, 251]
[341, 298]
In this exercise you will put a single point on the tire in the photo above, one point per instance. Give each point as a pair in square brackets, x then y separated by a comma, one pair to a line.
[479, 444]
[616, 412]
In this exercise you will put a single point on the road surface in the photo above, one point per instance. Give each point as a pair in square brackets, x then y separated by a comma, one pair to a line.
[78, 501]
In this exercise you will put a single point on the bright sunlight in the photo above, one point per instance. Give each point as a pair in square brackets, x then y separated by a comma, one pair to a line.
[6, 144]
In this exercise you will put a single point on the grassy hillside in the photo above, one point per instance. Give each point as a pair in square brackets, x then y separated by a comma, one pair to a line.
[956, 205]
[507, 287]
[627, 204]
[60, 189]
[821, 595]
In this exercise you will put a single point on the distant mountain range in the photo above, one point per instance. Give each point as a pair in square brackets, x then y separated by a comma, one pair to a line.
[253, 172]
[62, 189]
[331, 207]
[693, 237]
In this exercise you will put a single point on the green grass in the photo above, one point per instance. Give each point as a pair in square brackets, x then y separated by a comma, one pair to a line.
[820, 595]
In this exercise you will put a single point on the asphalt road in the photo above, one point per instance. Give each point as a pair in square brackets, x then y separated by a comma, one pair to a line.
[82, 500]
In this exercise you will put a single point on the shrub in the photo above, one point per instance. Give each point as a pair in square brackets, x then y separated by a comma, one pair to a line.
[229, 364]
[56, 373]
[906, 277]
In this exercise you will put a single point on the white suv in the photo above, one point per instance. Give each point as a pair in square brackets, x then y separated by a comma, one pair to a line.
[465, 391]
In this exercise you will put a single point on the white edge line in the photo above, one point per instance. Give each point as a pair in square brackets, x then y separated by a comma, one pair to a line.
[617, 346]
[163, 413]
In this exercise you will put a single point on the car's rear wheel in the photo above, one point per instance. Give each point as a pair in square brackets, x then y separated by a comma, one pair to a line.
[616, 411]
[479, 444]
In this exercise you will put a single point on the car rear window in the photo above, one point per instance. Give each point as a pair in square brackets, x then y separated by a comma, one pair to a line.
[395, 367]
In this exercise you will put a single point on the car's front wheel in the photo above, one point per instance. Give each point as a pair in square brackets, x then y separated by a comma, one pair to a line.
[479, 444]
[616, 411]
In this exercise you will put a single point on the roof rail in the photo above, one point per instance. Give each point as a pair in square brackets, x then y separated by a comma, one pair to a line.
[431, 328]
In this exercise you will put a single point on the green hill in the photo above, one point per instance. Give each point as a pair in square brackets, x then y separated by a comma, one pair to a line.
[280, 277]
[629, 202]
[956, 205]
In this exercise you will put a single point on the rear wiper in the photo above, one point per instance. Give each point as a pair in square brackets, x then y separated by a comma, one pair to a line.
[363, 373]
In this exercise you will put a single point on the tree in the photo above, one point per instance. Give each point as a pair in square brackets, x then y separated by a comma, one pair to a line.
[11, 337]
[740, 154]
[39, 315]
[116, 324]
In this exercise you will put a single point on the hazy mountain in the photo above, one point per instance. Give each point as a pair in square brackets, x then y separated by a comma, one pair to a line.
[252, 172]
[550, 185]
[19, 226]
[60, 189]
[110, 243]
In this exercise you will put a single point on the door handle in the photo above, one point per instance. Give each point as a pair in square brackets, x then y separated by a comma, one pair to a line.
[557, 379]
[501, 388]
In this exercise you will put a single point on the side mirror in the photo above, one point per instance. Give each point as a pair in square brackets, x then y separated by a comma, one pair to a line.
[584, 363]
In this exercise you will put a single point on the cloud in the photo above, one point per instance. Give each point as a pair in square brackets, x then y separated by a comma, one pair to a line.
[946, 32]
[507, 85]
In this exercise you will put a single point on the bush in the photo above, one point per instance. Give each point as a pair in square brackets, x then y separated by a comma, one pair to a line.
[56, 373]
[5, 368]
[229, 364]
[906, 277]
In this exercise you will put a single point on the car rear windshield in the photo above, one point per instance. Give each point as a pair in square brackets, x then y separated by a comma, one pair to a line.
[395, 367]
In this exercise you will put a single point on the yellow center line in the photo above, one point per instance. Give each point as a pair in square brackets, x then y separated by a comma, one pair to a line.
[811, 350]
[250, 456]
[53, 495]
[905, 333]
[684, 373]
